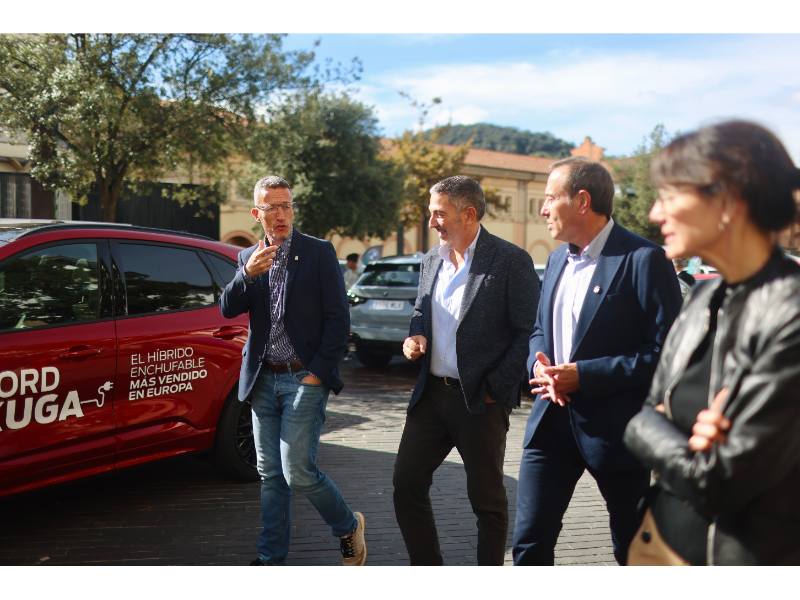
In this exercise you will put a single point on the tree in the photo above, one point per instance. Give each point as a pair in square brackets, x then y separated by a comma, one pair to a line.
[328, 148]
[105, 109]
[425, 161]
[507, 139]
[638, 194]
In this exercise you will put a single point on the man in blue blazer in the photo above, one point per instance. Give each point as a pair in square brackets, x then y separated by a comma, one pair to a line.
[292, 287]
[608, 300]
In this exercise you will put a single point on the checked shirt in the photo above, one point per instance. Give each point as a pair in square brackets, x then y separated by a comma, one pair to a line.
[279, 349]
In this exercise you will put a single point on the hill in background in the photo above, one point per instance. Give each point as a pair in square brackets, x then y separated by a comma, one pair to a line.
[507, 139]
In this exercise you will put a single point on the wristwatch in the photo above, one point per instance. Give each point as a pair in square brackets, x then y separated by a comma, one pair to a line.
[247, 279]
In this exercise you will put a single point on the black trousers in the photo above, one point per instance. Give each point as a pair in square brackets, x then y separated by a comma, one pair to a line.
[549, 470]
[437, 423]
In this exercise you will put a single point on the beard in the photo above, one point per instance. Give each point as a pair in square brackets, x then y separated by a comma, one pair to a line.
[452, 235]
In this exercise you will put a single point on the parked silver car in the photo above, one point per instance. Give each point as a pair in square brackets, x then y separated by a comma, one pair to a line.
[381, 304]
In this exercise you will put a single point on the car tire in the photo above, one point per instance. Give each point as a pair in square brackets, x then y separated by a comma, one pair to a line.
[234, 450]
[372, 359]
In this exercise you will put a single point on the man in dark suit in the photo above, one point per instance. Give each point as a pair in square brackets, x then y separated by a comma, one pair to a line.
[608, 300]
[471, 323]
[299, 323]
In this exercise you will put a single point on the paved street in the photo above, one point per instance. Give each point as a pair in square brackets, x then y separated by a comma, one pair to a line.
[183, 511]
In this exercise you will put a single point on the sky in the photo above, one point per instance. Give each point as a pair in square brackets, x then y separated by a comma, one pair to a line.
[614, 88]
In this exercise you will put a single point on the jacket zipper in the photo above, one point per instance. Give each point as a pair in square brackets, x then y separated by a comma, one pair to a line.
[715, 357]
[674, 382]
[712, 534]
[712, 529]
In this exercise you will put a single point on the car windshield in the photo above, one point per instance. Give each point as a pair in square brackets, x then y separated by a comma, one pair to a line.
[390, 275]
[10, 229]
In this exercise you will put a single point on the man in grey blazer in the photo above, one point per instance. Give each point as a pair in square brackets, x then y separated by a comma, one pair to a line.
[475, 311]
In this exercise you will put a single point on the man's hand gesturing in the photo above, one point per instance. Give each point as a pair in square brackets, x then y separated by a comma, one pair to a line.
[260, 261]
[415, 346]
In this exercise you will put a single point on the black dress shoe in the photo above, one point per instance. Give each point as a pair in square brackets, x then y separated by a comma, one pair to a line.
[257, 563]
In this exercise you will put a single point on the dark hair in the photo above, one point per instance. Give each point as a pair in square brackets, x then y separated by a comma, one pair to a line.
[272, 182]
[462, 192]
[738, 158]
[353, 257]
[589, 175]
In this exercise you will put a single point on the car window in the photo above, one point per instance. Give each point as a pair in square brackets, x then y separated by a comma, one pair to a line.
[391, 275]
[161, 278]
[225, 268]
[54, 285]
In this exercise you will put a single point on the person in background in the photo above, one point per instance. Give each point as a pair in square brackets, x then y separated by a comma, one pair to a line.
[608, 300]
[354, 270]
[721, 425]
[685, 280]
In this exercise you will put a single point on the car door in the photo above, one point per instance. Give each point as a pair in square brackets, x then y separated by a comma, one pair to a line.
[57, 364]
[177, 354]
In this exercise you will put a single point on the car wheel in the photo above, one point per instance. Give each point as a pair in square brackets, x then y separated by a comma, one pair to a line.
[234, 449]
[372, 359]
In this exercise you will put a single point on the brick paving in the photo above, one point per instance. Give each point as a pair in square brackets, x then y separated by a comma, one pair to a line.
[183, 511]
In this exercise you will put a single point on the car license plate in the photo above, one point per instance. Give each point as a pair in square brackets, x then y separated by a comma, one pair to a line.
[387, 305]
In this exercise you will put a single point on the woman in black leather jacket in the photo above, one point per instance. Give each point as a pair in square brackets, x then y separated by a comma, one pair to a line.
[721, 426]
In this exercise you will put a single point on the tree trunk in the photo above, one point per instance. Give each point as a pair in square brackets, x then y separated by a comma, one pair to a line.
[401, 248]
[109, 195]
[423, 231]
[108, 201]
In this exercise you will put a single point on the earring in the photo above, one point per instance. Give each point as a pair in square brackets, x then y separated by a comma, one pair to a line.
[721, 226]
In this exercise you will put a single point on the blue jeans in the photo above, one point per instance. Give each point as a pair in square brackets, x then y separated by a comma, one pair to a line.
[287, 421]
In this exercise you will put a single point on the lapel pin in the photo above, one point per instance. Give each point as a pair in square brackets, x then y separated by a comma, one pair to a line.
[596, 289]
[296, 257]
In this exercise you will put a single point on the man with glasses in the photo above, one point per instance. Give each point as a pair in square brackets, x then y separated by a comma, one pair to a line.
[608, 300]
[292, 288]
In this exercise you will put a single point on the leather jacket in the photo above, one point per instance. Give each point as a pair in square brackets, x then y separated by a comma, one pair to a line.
[751, 483]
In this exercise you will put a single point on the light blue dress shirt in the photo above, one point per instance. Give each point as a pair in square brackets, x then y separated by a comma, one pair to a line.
[446, 307]
[572, 290]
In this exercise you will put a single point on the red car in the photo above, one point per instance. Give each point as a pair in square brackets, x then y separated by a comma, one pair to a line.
[113, 352]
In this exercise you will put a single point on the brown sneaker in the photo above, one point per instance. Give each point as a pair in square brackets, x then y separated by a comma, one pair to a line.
[353, 546]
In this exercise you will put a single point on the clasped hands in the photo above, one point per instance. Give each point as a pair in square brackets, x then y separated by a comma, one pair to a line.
[261, 260]
[710, 426]
[554, 382]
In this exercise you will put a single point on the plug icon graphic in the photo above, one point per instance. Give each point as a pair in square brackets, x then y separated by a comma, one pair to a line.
[106, 387]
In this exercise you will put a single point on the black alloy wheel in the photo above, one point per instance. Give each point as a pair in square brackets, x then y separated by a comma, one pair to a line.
[370, 358]
[234, 448]
[245, 443]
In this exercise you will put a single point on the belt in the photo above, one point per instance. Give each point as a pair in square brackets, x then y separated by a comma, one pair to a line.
[295, 366]
[449, 381]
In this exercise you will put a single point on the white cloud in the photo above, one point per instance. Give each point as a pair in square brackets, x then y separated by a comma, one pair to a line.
[614, 97]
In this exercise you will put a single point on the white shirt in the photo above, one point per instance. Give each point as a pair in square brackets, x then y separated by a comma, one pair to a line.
[572, 291]
[446, 306]
[350, 277]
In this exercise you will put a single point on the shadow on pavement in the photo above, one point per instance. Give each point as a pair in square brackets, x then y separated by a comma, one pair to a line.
[184, 511]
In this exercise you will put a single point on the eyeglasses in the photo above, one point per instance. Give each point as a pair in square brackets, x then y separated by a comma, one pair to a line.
[271, 209]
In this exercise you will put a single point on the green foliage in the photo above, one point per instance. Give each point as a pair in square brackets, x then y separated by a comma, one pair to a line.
[328, 148]
[633, 173]
[101, 109]
[425, 161]
[506, 139]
